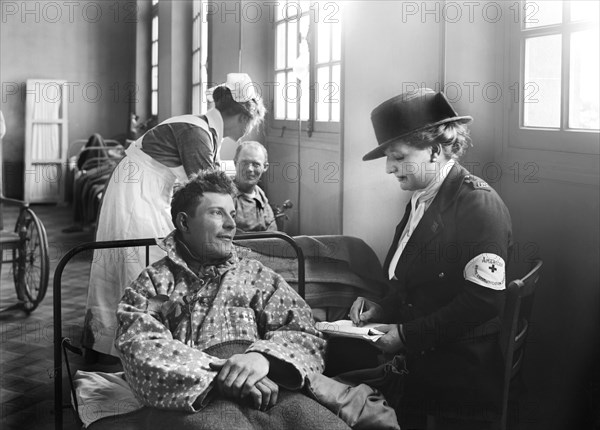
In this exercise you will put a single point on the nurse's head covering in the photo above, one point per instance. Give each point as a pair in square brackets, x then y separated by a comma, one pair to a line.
[241, 86]
[238, 95]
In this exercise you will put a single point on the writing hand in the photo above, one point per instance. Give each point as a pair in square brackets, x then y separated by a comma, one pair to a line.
[364, 310]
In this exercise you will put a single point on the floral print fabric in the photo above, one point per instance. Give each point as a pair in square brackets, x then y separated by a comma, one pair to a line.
[170, 315]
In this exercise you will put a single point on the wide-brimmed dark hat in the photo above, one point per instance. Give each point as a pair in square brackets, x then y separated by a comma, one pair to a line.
[409, 113]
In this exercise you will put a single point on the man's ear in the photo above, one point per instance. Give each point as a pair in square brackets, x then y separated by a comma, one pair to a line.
[266, 166]
[181, 222]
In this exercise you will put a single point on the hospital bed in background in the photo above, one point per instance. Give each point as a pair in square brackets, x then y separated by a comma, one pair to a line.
[90, 165]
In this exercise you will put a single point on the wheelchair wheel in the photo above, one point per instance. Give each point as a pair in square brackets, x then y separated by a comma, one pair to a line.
[31, 262]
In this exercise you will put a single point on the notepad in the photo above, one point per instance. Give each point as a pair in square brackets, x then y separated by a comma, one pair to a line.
[346, 328]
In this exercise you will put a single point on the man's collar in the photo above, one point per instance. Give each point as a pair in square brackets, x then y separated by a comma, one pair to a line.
[215, 121]
[170, 245]
[259, 196]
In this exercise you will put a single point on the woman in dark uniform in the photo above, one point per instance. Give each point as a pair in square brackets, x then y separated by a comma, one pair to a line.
[447, 261]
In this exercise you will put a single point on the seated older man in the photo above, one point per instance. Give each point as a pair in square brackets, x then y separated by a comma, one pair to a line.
[253, 212]
[204, 329]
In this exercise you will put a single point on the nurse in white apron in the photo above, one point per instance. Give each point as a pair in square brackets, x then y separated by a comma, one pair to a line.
[136, 202]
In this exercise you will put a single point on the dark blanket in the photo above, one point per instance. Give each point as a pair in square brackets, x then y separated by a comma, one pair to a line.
[293, 411]
[338, 268]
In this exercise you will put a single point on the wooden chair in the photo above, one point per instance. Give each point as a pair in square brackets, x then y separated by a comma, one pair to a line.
[515, 328]
[516, 319]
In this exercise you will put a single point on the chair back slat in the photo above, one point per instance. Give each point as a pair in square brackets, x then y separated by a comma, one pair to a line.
[516, 319]
[517, 362]
[521, 335]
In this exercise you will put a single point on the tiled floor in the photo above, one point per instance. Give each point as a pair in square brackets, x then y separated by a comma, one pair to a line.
[26, 341]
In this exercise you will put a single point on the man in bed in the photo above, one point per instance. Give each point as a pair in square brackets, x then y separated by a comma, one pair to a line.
[253, 212]
[205, 329]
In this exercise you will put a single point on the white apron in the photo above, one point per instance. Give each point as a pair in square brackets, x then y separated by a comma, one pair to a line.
[136, 205]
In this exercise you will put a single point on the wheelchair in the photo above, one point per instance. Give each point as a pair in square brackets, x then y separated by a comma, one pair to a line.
[26, 249]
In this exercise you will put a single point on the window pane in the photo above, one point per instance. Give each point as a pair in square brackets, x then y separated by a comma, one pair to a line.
[154, 59]
[292, 42]
[204, 42]
[304, 25]
[280, 46]
[584, 10]
[155, 28]
[323, 95]
[279, 99]
[304, 5]
[336, 34]
[196, 67]
[195, 34]
[204, 87]
[584, 95]
[196, 99]
[204, 77]
[539, 13]
[292, 10]
[196, 7]
[291, 95]
[154, 105]
[541, 95]
[335, 92]
[323, 42]
[279, 9]
[154, 80]
[304, 99]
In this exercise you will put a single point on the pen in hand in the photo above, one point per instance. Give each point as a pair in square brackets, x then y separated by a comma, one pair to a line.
[360, 311]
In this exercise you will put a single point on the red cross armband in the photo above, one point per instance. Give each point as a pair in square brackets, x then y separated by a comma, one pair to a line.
[487, 270]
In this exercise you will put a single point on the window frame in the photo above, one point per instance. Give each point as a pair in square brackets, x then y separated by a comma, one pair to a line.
[154, 14]
[200, 32]
[310, 125]
[580, 141]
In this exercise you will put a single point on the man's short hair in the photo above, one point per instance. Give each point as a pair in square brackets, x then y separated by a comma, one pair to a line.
[187, 197]
[250, 143]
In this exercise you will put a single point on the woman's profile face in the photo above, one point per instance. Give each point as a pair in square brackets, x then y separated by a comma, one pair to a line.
[410, 165]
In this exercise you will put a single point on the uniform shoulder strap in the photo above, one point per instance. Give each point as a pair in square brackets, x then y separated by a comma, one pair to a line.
[477, 183]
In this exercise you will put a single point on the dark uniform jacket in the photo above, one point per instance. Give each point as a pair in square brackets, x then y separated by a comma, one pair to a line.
[449, 293]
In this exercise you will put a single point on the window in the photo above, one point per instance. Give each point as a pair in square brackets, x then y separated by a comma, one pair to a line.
[199, 57]
[559, 65]
[154, 60]
[307, 64]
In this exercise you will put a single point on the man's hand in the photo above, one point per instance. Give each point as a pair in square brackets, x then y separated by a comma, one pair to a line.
[264, 394]
[390, 341]
[240, 373]
[364, 310]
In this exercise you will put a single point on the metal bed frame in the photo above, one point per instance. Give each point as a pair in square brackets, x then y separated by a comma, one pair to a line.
[63, 343]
